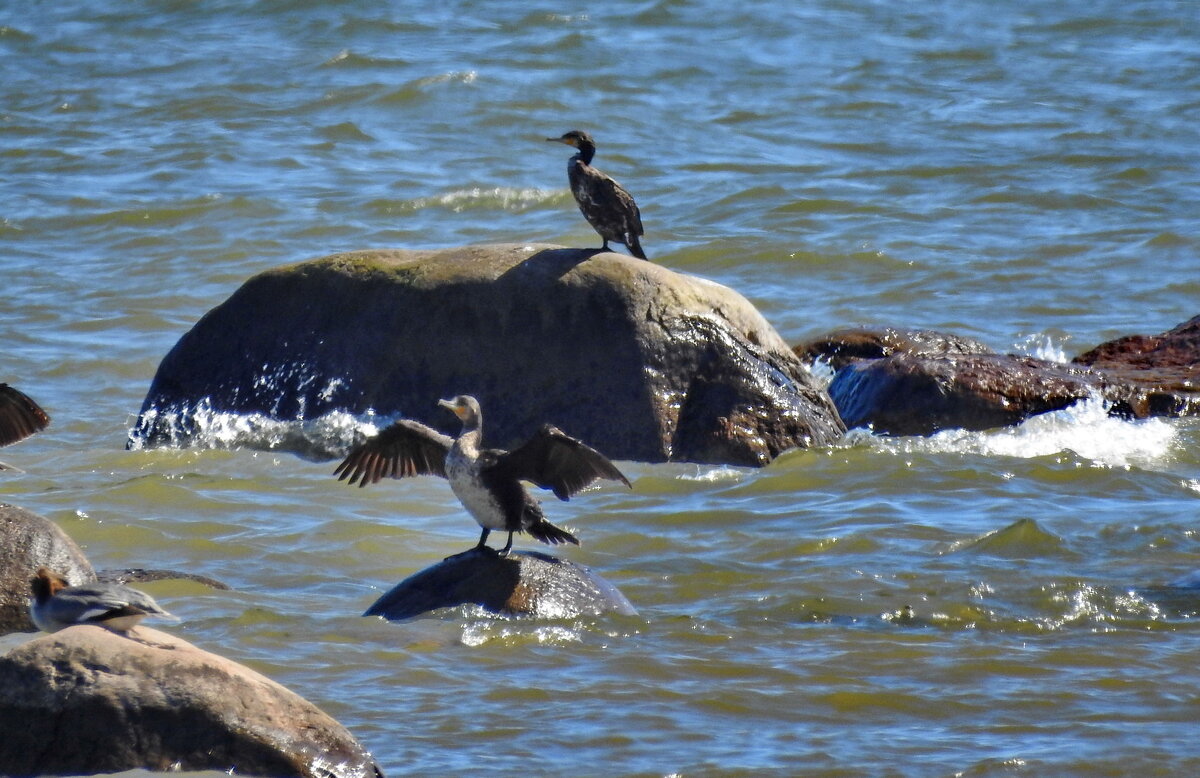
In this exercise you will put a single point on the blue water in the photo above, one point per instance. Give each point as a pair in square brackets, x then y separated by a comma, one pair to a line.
[1023, 173]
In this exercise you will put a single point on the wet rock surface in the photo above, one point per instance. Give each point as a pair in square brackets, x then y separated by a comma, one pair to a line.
[638, 361]
[1162, 371]
[916, 382]
[844, 347]
[29, 541]
[86, 700]
[524, 583]
[911, 395]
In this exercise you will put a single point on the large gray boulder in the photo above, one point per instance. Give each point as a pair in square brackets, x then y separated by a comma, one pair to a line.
[638, 361]
[29, 541]
[523, 583]
[86, 700]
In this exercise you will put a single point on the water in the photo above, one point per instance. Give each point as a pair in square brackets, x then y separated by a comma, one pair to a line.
[1022, 173]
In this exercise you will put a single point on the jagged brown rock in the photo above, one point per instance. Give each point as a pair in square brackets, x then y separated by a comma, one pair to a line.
[86, 700]
[911, 395]
[640, 362]
[1162, 371]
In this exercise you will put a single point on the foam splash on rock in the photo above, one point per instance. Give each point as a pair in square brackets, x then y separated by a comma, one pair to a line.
[325, 437]
[1084, 429]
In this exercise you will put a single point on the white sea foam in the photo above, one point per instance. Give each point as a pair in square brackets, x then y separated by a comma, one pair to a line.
[1084, 429]
[822, 372]
[1042, 346]
[328, 435]
[713, 474]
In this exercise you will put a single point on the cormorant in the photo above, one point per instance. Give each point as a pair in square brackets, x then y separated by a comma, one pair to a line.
[20, 416]
[486, 481]
[604, 203]
[58, 605]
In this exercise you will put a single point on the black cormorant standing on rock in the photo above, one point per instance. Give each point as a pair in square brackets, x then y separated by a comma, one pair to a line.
[604, 203]
[486, 481]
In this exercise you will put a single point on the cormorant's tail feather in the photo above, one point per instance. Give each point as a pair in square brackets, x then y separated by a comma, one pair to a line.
[635, 247]
[548, 533]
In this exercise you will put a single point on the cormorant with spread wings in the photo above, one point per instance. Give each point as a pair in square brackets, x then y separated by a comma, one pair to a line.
[486, 481]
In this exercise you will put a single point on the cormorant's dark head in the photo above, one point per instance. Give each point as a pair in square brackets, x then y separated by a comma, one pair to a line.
[580, 140]
[576, 138]
[465, 407]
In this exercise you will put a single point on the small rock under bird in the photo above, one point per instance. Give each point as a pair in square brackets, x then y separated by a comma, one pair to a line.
[605, 204]
[488, 482]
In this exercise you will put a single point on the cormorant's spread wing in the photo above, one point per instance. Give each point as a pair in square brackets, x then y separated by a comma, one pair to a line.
[554, 460]
[403, 449]
[20, 416]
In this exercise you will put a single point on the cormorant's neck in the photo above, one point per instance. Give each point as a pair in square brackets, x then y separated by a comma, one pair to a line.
[586, 152]
[472, 432]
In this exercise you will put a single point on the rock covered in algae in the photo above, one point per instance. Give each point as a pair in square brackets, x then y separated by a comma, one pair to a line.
[641, 362]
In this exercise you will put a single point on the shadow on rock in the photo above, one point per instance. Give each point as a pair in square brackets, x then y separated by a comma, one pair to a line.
[524, 583]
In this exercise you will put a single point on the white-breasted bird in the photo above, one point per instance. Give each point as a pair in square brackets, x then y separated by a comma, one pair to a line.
[486, 481]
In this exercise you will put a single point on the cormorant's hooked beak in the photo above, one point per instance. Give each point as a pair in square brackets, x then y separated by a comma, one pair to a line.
[567, 141]
[450, 405]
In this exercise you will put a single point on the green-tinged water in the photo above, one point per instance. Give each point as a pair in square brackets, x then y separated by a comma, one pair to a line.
[981, 604]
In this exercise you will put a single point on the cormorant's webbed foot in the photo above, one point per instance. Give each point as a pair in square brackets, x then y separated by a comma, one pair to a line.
[507, 546]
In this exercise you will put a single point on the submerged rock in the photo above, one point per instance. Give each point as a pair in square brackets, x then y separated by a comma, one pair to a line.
[640, 362]
[141, 575]
[86, 700]
[29, 541]
[1162, 371]
[523, 583]
[910, 395]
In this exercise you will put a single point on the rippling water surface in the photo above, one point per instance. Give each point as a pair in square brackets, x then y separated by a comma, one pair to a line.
[974, 603]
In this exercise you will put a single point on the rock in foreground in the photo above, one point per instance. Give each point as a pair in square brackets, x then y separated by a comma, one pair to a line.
[29, 541]
[86, 700]
[640, 362]
[524, 583]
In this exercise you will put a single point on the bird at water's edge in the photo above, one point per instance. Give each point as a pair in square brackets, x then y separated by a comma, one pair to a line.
[486, 481]
[58, 605]
[605, 204]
